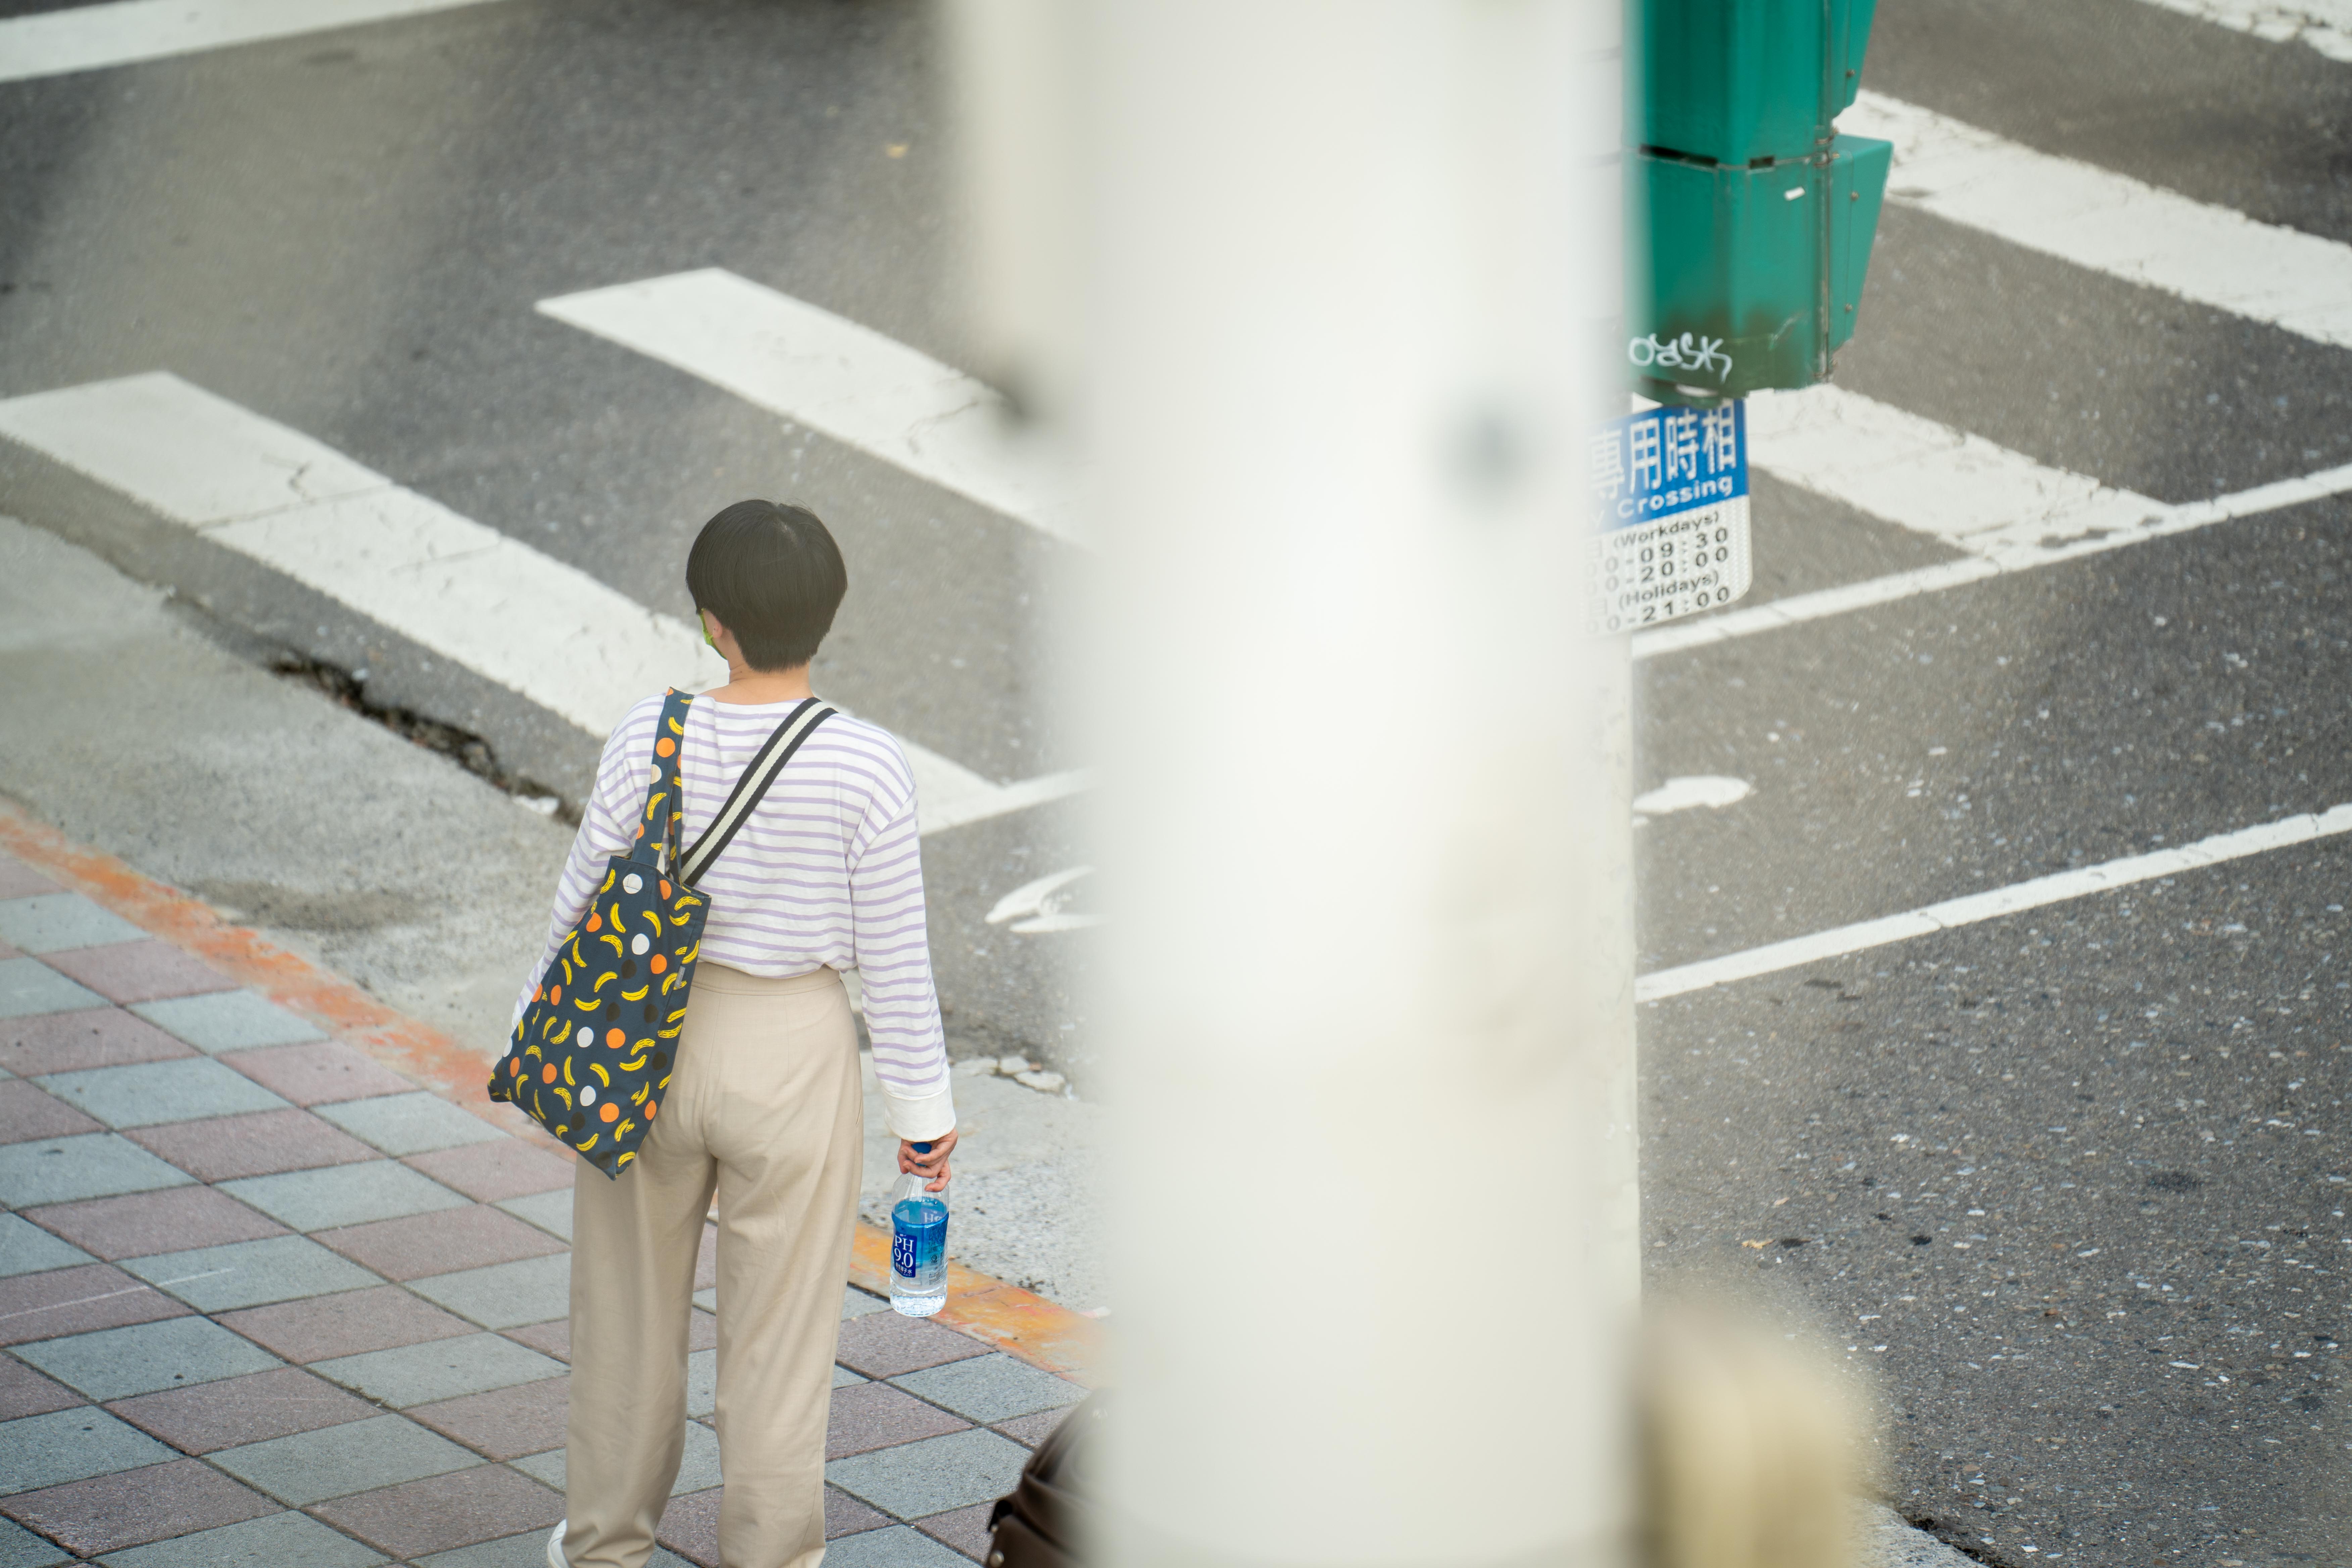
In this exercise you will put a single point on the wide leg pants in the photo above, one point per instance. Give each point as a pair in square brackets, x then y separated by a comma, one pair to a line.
[764, 1108]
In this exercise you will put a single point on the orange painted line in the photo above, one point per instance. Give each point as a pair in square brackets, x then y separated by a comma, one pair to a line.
[1023, 1325]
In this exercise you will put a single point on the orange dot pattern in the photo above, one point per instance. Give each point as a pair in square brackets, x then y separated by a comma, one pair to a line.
[596, 1047]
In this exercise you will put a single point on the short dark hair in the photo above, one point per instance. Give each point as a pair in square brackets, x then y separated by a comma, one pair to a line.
[772, 576]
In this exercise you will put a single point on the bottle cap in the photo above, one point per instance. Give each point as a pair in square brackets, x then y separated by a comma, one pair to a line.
[922, 1147]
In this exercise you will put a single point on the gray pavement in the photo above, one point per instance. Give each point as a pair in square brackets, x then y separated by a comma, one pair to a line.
[341, 1337]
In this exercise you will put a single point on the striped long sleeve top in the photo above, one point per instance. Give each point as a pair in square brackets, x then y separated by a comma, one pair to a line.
[826, 872]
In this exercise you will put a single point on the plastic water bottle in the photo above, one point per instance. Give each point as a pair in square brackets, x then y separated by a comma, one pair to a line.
[918, 1246]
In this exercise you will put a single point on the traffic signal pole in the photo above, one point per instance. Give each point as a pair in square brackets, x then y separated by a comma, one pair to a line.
[1344, 300]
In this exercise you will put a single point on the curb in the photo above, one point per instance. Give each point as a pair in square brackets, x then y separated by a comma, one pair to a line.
[1021, 1324]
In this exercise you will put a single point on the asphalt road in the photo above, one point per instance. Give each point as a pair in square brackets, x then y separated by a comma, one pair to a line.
[2070, 1184]
[2071, 1169]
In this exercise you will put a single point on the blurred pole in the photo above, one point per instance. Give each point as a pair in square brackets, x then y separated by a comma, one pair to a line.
[1324, 291]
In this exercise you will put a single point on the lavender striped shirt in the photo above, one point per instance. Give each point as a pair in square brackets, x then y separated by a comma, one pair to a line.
[826, 872]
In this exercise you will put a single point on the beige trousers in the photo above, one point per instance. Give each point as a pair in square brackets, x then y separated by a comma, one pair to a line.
[765, 1108]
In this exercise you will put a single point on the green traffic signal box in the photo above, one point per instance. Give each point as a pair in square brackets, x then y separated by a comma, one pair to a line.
[1750, 219]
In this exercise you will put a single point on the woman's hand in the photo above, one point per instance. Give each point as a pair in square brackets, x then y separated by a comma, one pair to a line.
[932, 1167]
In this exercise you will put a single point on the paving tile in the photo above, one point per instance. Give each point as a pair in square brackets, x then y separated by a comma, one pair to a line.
[528, 1550]
[844, 1515]
[993, 1387]
[149, 1093]
[964, 1529]
[308, 1468]
[702, 1383]
[552, 1212]
[352, 1322]
[317, 1073]
[546, 1466]
[276, 1541]
[20, 1548]
[549, 1338]
[93, 1166]
[856, 1303]
[131, 1507]
[70, 1446]
[487, 1173]
[238, 1410]
[27, 1111]
[138, 1224]
[884, 1344]
[228, 1021]
[914, 1480]
[505, 1295]
[24, 1392]
[18, 880]
[698, 1465]
[249, 1273]
[438, 1368]
[414, 1124]
[874, 1415]
[706, 1262]
[144, 971]
[484, 1503]
[690, 1527]
[472, 1237]
[900, 1546]
[506, 1423]
[1031, 1430]
[114, 1364]
[78, 1300]
[27, 1248]
[68, 1042]
[349, 1194]
[555, 1338]
[707, 1300]
[28, 986]
[51, 922]
[229, 1147]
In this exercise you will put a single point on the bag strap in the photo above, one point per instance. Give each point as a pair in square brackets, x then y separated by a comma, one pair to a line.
[657, 847]
[752, 787]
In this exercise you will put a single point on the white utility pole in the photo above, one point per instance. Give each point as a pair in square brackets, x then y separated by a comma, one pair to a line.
[1323, 291]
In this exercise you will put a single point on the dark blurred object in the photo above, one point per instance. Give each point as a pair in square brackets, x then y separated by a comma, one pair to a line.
[1043, 1520]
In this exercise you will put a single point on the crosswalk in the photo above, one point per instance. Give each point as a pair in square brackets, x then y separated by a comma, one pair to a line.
[498, 606]
[2323, 24]
[832, 375]
[2111, 223]
[127, 32]
[548, 631]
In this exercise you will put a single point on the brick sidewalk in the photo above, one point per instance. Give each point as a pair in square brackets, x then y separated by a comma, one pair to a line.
[267, 1301]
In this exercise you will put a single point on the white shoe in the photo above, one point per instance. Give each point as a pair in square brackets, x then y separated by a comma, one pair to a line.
[556, 1558]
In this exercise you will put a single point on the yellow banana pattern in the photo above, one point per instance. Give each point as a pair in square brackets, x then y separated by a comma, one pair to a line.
[591, 1056]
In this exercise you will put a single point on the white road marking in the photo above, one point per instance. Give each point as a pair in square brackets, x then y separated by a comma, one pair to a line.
[1042, 902]
[2010, 554]
[833, 375]
[1708, 790]
[2111, 223]
[2325, 25]
[531, 624]
[1956, 912]
[89, 38]
[1929, 477]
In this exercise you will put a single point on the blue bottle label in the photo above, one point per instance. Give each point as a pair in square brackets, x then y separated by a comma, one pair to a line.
[918, 1248]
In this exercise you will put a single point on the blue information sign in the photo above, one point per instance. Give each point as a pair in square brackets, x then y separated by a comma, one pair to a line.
[1669, 497]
